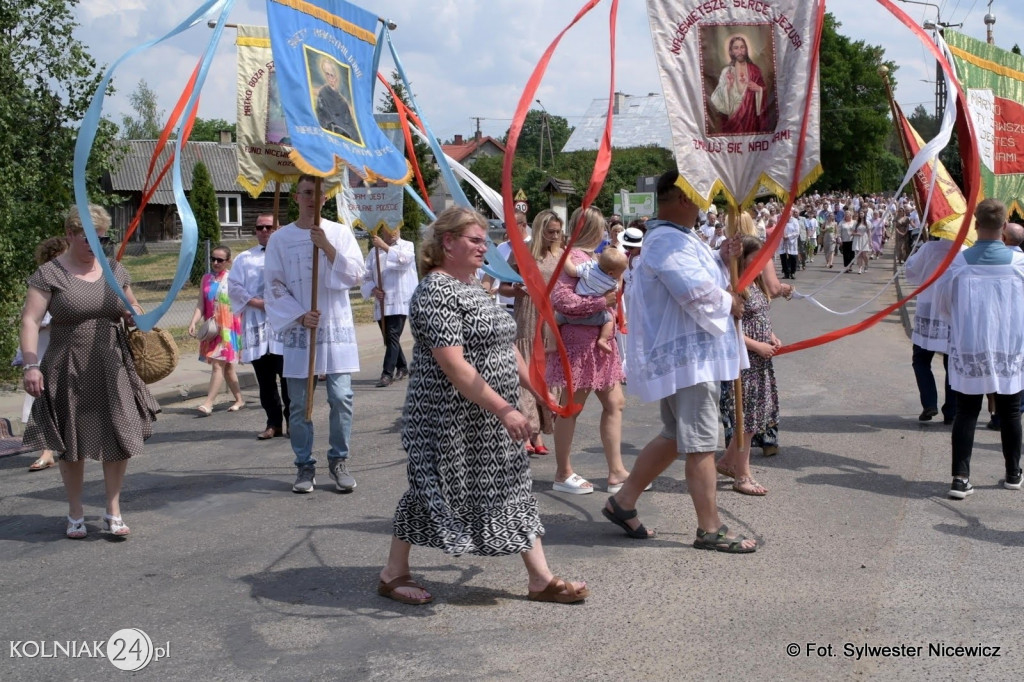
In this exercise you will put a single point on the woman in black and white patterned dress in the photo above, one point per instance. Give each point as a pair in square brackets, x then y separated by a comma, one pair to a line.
[90, 403]
[469, 475]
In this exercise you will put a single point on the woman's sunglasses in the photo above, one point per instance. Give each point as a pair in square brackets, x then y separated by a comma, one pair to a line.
[214, 259]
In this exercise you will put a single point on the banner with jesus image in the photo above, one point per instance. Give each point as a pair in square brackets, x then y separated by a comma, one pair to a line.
[735, 74]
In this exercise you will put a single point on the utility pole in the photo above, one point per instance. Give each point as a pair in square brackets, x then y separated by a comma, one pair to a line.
[545, 130]
[477, 119]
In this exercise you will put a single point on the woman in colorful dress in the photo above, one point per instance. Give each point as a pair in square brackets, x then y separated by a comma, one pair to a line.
[469, 475]
[592, 370]
[760, 395]
[90, 402]
[223, 350]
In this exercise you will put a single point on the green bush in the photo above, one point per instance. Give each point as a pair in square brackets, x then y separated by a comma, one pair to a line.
[203, 200]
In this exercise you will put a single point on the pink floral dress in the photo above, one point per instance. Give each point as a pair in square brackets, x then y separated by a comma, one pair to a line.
[227, 345]
[591, 368]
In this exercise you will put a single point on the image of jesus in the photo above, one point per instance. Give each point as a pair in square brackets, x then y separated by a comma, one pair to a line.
[740, 94]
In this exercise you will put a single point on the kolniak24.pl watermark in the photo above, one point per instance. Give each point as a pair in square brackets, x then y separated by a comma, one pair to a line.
[127, 649]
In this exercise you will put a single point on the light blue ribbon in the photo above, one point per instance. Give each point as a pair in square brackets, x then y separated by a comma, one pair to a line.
[87, 136]
[496, 266]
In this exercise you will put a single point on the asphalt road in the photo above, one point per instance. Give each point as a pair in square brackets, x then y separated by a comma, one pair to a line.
[233, 577]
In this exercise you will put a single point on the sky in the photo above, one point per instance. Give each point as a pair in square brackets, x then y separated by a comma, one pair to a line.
[469, 59]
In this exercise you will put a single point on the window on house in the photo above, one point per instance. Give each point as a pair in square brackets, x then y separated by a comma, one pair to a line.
[229, 209]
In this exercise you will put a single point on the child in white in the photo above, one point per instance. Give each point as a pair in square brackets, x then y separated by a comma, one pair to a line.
[597, 279]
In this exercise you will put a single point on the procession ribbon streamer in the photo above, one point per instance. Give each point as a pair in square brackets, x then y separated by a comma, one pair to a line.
[403, 116]
[150, 189]
[496, 265]
[754, 268]
[87, 136]
[527, 266]
[968, 145]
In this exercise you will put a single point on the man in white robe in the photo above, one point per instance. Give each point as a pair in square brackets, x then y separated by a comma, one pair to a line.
[289, 268]
[983, 295]
[397, 260]
[682, 344]
[261, 345]
[931, 331]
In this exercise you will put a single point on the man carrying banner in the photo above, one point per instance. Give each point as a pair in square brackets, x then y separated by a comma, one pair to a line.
[393, 260]
[262, 346]
[289, 268]
[983, 295]
[683, 342]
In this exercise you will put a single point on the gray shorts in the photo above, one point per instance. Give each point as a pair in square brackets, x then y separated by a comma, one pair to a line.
[690, 417]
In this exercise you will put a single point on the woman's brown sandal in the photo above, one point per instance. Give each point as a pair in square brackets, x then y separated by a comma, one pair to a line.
[561, 592]
[387, 589]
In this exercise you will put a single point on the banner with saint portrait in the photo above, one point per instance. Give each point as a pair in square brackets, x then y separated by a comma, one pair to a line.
[735, 74]
[261, 133]
[323, 63]
[375, 207]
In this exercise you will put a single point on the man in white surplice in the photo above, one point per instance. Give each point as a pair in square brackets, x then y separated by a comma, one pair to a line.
[397, 259]
[982, 294]
[682, 344]
[289, 268]
[261, 345]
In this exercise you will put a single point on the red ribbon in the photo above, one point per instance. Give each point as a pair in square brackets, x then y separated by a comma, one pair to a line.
[527, 266]
[972, 182]
[148, 189]
[404, 115]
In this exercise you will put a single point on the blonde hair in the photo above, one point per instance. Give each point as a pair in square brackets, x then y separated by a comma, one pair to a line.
[744, 224]
[592, 230]
[752, 245]
[540, 225]
[452, 221]
[99, 215]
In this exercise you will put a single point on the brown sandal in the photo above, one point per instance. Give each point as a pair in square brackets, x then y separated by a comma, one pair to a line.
[560, 591]
[387, 589]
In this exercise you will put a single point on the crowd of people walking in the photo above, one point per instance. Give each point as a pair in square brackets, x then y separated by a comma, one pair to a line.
[472, 416]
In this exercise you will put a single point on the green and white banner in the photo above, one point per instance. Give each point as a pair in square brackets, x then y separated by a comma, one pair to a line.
[994, 81]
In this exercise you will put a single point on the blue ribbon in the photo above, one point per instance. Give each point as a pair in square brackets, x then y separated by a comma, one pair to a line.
[87, 136]
[496, 266]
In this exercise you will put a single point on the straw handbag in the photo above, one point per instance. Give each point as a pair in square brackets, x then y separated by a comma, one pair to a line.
[155, 353]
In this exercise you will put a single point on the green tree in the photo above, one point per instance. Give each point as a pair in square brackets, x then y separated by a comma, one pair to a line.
[534, 134]
[208, 129]
[146, 124]
[203, 200]
[412, 215]
[855, 120]
[47, 78]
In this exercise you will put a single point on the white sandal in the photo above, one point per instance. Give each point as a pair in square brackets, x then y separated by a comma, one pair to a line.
[76, 528]
[115, 526]
[574, 485]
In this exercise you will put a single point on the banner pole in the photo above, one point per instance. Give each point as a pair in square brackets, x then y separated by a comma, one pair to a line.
[311, 377]
[734, 277]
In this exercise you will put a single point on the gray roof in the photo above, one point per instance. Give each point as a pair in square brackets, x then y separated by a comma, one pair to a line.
[641, 121]
[558, 186]
[219, 159]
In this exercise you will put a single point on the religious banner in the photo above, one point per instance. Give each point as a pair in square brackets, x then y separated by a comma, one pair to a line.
[323, 63]
[736, 77]
[261, 133]
[946, 205]
[994, 81]
[377, 206]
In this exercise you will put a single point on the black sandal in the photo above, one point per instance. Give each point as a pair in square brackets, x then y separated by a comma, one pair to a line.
[619, 516]
[717, 540]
